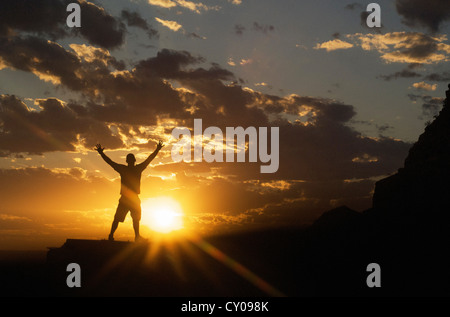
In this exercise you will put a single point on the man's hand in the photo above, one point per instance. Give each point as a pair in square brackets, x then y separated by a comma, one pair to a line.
[99, 148]
[159, 145]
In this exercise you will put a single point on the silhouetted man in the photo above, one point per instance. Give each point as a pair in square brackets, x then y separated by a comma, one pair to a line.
[130, 178]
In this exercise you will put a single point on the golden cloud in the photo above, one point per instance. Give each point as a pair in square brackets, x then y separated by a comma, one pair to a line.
[405, 47]
[396, 47]
[190, 5]
[173, 25]
[424, 86]
[333, 45]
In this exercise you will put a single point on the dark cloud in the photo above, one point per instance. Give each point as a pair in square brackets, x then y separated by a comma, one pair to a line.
[54, 127]
[51, 62]
[262, 28]
[195, 36]
[410, 73]
[431, 109]
[383, 128]
[431, 106]
[168, 64]
[428, 14]
[419, 46]
[405, 73]
[142, 95]
[99, 27]
[336, 35]
[239, 29]
[45, 17]
[335, 151]
[320, 145]
[444, 76]
[134, 19]
[257, 27]
[48, 18]
[354, 6]
[33, 54]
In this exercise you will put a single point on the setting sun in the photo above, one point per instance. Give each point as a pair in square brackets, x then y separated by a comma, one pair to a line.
[162, 214]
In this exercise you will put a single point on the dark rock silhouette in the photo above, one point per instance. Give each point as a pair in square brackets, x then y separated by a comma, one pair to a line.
[410, 215]
[423, 183]
[119, 268]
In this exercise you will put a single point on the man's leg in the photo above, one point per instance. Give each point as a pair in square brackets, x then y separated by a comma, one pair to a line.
[136, 216]
[114, 226]
[136, 229]
[121, 212]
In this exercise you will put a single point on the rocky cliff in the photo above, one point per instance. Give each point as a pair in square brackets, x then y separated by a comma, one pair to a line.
[423, 184]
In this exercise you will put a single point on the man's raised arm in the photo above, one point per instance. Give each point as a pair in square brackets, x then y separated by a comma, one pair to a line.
[99, 149]
[152, 156]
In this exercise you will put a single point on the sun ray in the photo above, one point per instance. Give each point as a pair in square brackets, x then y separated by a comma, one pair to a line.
[235, 266]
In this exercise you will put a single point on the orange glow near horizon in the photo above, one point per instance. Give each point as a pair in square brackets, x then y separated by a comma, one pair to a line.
[162, 214]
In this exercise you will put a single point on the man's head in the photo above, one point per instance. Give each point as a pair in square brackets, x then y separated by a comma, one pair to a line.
[131, 159]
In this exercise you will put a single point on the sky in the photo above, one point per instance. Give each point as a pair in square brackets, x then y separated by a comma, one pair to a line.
[349, 101]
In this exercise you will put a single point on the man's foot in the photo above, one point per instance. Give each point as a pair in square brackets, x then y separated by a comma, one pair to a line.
[110, 237]
[140, 239]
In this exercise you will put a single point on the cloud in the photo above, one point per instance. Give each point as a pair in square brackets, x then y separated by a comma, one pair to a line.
[245, 61]
[265, 29]
[333, 45]
[119, 100]
[50, 61]
[25, 20]
[239, 29]
[134, 19]
[396, 47]
[163, 3]
[91, 54]
[196, 7]
[55, 127]
[231, 62]
[175, 26]
[190, 5]
[444, 76]
[12, 222]
[172, 25]
[409, 72]
[321, 123]
[405, 73]
[353, 6]
[417, 13]
[430, 106]
[195, 36]
[28, 208]
[98, 26]
[38, 56]
[404, 47]
[257, 27]
[424, 86]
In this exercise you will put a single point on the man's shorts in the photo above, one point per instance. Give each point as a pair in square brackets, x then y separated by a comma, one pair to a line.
[131, 204]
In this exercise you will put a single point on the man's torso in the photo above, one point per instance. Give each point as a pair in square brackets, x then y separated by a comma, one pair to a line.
[130, 180]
